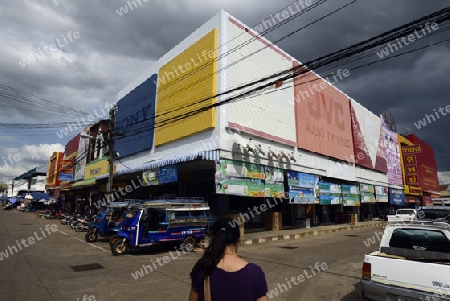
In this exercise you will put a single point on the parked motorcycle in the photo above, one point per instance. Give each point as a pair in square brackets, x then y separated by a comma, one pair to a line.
[53, 214]
[86, 219]
[83, 225]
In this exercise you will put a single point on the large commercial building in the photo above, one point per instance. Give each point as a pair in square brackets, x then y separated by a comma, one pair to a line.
[198, 124]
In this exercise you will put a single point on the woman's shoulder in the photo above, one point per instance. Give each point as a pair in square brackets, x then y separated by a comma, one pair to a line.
[253, 267]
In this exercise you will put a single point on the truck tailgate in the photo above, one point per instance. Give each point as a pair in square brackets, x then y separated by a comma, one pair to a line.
[428, 277]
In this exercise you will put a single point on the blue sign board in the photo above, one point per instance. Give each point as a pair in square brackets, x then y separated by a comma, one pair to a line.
[135, 117]
[168, 174]
[299, 179]
[396, 197]
[65, 177]
[299, 195]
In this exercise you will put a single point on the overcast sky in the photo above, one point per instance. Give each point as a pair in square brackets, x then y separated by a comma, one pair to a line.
[105, 51]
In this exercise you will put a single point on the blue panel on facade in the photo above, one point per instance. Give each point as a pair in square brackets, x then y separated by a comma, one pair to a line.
[396, 197]
[135, 117]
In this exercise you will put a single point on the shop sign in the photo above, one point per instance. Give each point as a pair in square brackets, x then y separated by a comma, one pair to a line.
[412, 200]
[396, 197]
[241, 186]
[350, 195]
[330, 194]
[159, 176]
[66, 172]
[325, 187]
[382, 194]
[239, 169]
[299, 179]
[367, 188]
[273, 175]
[301, 195]
[411, 149]
[413, 190]
[330, 199]
[368, 197]
[96, 168]
[427, 200]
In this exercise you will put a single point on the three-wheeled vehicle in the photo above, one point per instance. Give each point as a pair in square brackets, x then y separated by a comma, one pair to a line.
[159, 222]
[107, 221]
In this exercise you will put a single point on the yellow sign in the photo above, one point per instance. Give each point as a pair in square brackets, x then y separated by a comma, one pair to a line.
[186, 85]
[97, 168]
[413, 190]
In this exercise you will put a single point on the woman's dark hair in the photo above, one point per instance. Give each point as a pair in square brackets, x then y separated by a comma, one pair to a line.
[224, 232]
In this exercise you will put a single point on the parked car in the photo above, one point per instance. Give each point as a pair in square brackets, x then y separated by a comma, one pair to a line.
[411, 264]
[403, 215]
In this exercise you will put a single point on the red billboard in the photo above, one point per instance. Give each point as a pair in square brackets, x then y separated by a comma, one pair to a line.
[368, 138]
[322, 117]
[420, 165]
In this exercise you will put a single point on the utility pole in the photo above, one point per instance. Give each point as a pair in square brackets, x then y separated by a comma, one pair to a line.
[111, 150]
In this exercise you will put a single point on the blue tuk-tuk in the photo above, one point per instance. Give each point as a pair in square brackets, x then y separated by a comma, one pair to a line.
[107, 221]
[162, 222]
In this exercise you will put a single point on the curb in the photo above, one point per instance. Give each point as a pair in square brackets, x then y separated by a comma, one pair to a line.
[300, 235]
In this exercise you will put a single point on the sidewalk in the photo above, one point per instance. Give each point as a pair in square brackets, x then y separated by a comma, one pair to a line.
[271, 236]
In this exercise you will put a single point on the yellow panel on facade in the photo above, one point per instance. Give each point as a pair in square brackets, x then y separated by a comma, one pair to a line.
[96, 168]
[182, 84]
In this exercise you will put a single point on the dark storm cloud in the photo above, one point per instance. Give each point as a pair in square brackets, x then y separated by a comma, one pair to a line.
[113, 50]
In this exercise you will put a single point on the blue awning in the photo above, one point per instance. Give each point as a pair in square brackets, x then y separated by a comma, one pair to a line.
[37, 195]
[205, 155]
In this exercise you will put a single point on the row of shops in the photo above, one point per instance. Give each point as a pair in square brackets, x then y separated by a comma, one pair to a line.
[236, 187]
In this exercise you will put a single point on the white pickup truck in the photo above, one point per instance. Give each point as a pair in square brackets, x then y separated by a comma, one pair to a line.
[403, 215]
[412, 263]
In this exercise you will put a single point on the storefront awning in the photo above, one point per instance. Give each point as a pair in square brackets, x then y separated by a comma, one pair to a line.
[206, 155]
[84, 183]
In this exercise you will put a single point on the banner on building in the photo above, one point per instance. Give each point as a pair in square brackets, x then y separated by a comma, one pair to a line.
[381, 194]
[159, 176]
[351, 195]
[394, 168]
[303, 187]
[396, 197]
[240, 169]
[368, 138]
[66, 171]
[367, 193]
[330, 194]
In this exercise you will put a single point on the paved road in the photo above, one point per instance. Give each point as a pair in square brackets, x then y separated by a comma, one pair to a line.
[42, 270]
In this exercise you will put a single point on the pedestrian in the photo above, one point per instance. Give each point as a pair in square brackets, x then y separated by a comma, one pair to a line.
[221, 275]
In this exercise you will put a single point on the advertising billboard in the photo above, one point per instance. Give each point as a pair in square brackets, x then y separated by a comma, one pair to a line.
[381, 194]
[186, 85]
[425, 164]
[394, 169]
[135, 118]
[396, 197]
[303, 187]
[248, 179]
[161, 175]
[351, 195]
[367, 193]
[322, 116]
[330, 194]
[368, 138]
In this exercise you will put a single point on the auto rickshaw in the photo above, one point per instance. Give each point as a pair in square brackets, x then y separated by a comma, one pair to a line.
[161, 222]
[107, 221]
